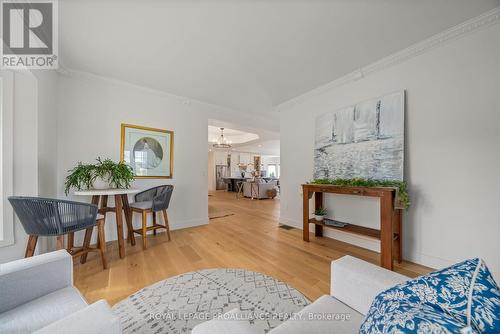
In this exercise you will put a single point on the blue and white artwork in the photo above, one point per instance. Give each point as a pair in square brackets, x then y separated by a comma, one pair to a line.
[365, 140]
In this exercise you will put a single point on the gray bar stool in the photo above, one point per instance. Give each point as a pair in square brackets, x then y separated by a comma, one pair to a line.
[54, 217]
[151, 201]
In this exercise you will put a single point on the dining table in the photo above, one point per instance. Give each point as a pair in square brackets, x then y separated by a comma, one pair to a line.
[100, 198]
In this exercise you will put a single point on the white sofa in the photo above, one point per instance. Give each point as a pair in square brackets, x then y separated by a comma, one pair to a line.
[37, 295]
[354, 284]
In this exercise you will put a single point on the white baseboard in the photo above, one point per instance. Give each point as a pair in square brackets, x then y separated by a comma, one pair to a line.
[177, 225]
[290, 222]
[374, 245]
[360, 241]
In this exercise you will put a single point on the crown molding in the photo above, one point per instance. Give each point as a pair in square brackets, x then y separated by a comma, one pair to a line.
[186, 101]
[479, 22]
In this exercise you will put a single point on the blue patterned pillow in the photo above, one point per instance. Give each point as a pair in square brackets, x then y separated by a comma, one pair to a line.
[440, 302]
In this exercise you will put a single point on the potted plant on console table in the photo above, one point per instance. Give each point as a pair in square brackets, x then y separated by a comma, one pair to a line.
[402, 200]
[319, 214]
[104, 174]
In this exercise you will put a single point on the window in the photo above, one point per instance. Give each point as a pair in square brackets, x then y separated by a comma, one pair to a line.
[273, 170]
[6, 158]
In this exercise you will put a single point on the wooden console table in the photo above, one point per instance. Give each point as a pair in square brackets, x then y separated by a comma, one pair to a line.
[390, 230]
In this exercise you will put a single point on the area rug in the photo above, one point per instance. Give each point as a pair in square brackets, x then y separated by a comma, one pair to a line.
[179, 303]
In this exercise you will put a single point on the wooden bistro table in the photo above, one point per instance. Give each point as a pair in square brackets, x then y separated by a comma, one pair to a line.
[390, 230]
[121, 205]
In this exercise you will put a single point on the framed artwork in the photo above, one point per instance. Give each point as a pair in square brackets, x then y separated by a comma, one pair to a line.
[365, 140]
[148, 151]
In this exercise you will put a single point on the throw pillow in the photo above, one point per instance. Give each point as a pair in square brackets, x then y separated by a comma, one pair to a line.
[446, 301]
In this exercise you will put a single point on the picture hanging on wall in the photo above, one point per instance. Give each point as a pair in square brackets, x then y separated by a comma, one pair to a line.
[148, 151]
[365, 140]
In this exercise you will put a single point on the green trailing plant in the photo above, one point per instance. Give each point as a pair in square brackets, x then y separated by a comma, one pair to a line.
[118, 174]
[320, 212]
[403, 197]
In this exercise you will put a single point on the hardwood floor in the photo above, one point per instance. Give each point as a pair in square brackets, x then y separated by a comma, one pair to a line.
[247, 236]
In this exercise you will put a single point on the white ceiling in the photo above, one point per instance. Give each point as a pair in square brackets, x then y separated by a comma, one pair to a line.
[265, 147]
[243, 137]
[246, 55]
[233, 136]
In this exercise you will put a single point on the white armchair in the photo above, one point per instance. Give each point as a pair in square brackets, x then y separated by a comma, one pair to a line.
[37, 295]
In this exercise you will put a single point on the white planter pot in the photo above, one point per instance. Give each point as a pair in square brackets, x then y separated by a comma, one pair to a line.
[319, 218]
[100, 184]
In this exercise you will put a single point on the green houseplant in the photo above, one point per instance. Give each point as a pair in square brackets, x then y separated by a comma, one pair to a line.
[100, 175]
[402, 200]
[319, 214]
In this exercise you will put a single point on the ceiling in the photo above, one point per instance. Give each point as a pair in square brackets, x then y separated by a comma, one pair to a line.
[233, 136]
[265, 147]
[245, 139]
[245, 55]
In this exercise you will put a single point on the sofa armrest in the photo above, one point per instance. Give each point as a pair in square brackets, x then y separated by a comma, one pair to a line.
[356, 282]
[27, 279]
[97, 318]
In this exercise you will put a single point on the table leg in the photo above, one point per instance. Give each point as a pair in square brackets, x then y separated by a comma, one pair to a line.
[397, 235]
[60, 242]
[104, 202]
[119, 224]
[83, 258]
[305, 214]
[71, 240]
[95, 199]
[86, 243]
[386, 231]
[128, 219]
[102, 210]
[318, 203]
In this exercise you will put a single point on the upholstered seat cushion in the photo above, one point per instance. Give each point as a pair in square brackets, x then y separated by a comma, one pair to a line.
[142, 205]
[42, 311]
[461, 296]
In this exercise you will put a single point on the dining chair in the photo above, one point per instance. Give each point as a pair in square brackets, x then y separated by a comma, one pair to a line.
[54, 217]
[152, 201]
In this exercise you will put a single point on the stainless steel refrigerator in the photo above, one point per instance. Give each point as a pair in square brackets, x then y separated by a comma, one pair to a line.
[221, 172]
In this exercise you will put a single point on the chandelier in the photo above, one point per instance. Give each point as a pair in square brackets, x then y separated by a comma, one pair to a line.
[222, 141]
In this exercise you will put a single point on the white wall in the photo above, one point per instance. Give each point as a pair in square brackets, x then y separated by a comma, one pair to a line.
[47, 84]
[34, 147]
[91, 110]
[90, 114]
[452, 157]
[25, 153]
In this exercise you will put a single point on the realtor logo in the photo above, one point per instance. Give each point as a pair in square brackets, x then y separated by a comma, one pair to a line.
[29, 34]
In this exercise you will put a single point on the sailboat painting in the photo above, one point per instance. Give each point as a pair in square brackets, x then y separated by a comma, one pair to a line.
[365, 140]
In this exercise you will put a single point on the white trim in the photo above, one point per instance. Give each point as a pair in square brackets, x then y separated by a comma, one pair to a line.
[290, 222]
[6, 157]
[178, 225]
[470, 26]
[185, 100]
